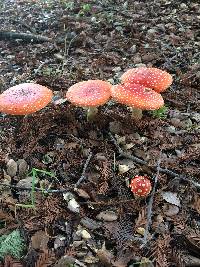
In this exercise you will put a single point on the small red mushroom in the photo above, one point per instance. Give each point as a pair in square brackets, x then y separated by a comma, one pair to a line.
[89, 94]
[25, 98]
[140, 186]
[153, 78]
[138, 97]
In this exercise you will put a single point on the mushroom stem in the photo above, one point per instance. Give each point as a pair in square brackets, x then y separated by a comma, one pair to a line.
[136, 113]
[91, 113]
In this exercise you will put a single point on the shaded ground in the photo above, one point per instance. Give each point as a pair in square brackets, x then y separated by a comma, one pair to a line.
[105, 226]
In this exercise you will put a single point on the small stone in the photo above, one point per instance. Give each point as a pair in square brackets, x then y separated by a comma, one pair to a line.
[179, 153]
[58, 56]
[183, 6]
[72, 203]
[133, 48]
[140, 230]
[84, 234]
[12, 168]
[176, 122]
[77, 244]
[108, 216]
[27, 182]
[120, 139]
[123, 168]
[171, 198]
[140, 65]
[22, 168]
[117, 69]
[93, 19]
[90, 223]
[73, 206]
[68, 196]
[59, 241]
[151, 32]
[128, 146]
[10, 56]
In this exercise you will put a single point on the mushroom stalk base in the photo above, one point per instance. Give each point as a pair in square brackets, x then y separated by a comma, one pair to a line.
[91, 113]
[136, 113]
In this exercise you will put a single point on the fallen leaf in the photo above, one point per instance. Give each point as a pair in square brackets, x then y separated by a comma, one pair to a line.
[39, 240]
[171, 198]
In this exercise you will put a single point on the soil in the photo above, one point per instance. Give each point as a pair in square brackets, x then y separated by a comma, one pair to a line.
[73, 174]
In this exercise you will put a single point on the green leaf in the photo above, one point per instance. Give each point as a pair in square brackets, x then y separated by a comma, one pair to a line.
[12, 244]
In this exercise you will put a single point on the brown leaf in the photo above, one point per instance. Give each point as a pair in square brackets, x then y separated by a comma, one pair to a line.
[105, 257]
[196, 204]
[39, 240]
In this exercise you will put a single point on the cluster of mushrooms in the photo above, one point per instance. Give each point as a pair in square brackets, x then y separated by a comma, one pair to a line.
[140, 89]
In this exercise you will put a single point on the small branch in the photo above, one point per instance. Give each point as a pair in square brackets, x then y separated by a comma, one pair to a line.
[143, 162]
[46, 191]
[108, 203]
[41, 66]
[25, 37]
[150, 205]
[84, 170]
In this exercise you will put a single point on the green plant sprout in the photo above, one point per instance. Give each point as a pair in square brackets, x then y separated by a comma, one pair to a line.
[68, 5]
[86, 8]
[34, 174]
[160, 113]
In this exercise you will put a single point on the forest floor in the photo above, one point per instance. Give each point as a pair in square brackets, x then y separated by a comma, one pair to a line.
[64, 192]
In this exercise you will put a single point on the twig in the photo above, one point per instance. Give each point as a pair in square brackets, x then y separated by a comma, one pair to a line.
[45, 191]
[66, 51]
[34, 38]
[66, 54]
[84, 170]
[42, 65]
[150, 205]
[108, 203]
[140, 161]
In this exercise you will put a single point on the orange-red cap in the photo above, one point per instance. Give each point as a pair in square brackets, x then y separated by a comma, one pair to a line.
[140, 186]
[153, 78]
[137, 96]
[90, 93]
[25, 98]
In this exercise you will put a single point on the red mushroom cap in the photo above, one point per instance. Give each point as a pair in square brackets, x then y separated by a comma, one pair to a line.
[153, 78]
[140, 186]
[25, 98]
[90, 93]
[137, 96]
